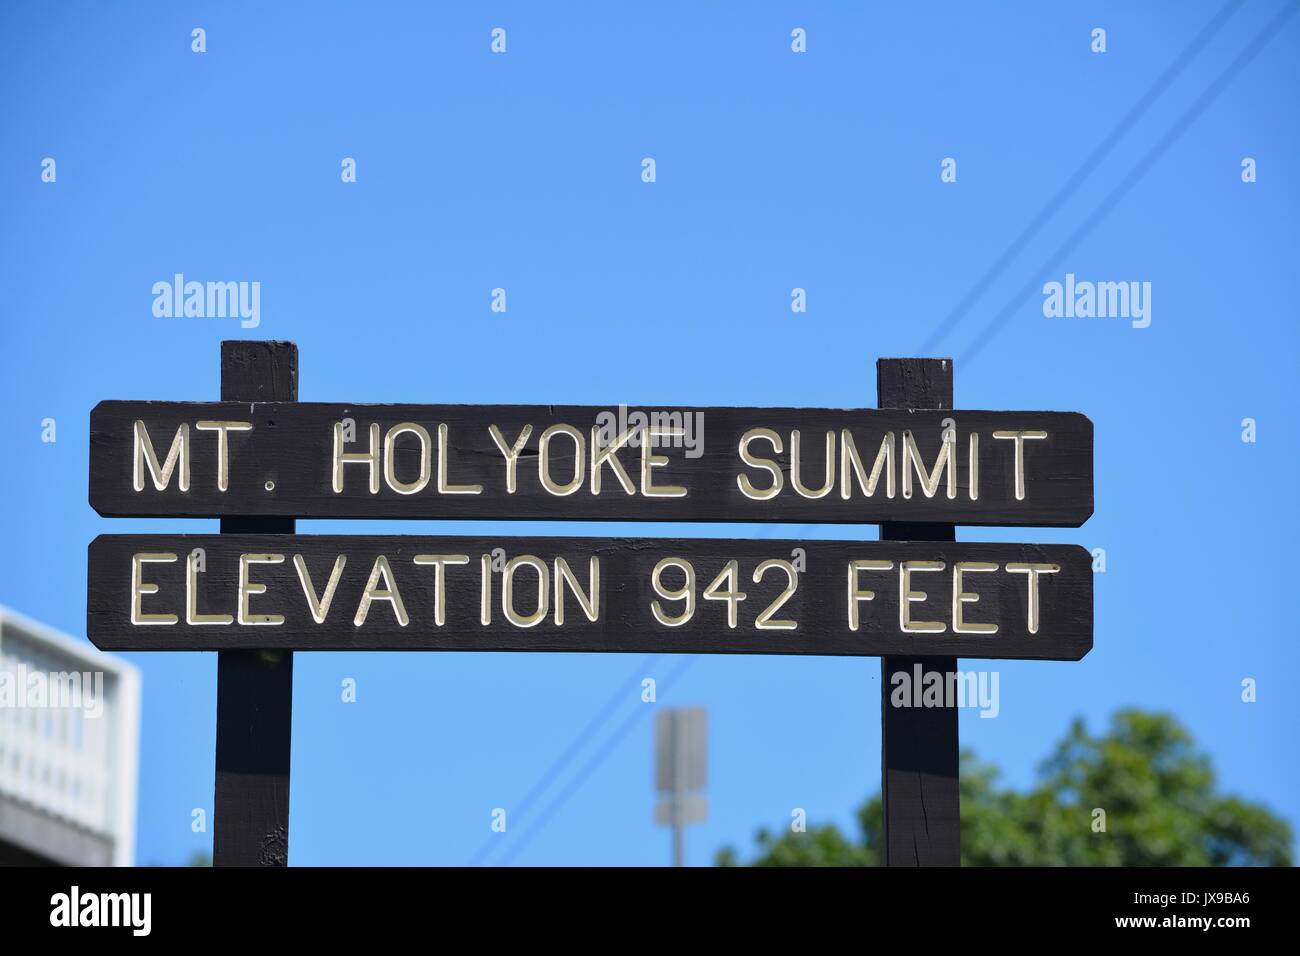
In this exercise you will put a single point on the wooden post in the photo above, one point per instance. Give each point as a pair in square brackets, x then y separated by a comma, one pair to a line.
[250, 825]
[919, 746]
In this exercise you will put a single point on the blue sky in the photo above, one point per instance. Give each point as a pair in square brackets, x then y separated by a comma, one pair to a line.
[775, 170]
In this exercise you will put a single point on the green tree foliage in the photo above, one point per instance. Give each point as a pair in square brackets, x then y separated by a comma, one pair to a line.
[1161, 802]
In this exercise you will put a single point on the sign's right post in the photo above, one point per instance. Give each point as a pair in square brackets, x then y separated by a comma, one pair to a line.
[919, 748]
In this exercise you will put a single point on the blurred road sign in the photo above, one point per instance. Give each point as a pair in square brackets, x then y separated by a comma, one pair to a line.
[681, 770]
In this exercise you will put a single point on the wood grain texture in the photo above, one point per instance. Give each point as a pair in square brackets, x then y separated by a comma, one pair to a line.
[920, 746]
[292, 447]
[250, 825]
[625, 620]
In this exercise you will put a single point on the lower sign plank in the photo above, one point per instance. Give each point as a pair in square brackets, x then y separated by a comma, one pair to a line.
[696, 596]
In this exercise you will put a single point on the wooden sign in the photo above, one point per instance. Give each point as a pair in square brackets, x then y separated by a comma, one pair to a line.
[803, 465]
[255, 593]
[700, 596]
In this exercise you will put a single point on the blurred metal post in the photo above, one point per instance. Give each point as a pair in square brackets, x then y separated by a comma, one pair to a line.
[681, 761]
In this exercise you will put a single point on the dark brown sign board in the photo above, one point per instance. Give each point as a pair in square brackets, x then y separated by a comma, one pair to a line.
[799, 465]
[651, 595]
[255, 593]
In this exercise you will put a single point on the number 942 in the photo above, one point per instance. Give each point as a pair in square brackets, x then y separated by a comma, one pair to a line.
[725, 587]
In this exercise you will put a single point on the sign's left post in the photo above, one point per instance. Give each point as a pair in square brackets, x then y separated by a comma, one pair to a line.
[254, 688]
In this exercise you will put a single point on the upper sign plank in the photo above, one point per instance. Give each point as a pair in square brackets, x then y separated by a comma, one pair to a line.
[802, 465]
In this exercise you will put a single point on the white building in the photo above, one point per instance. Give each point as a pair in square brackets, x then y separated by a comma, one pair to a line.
[69, 749]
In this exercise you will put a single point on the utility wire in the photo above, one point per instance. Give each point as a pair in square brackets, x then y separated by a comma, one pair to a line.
[1171, 136]
[594, 763]
[557, 766]
[1094, 159]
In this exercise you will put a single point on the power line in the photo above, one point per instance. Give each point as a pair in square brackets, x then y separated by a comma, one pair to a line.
[1103, 149]
[593, 764]
[1243, 59]
[562, 761]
